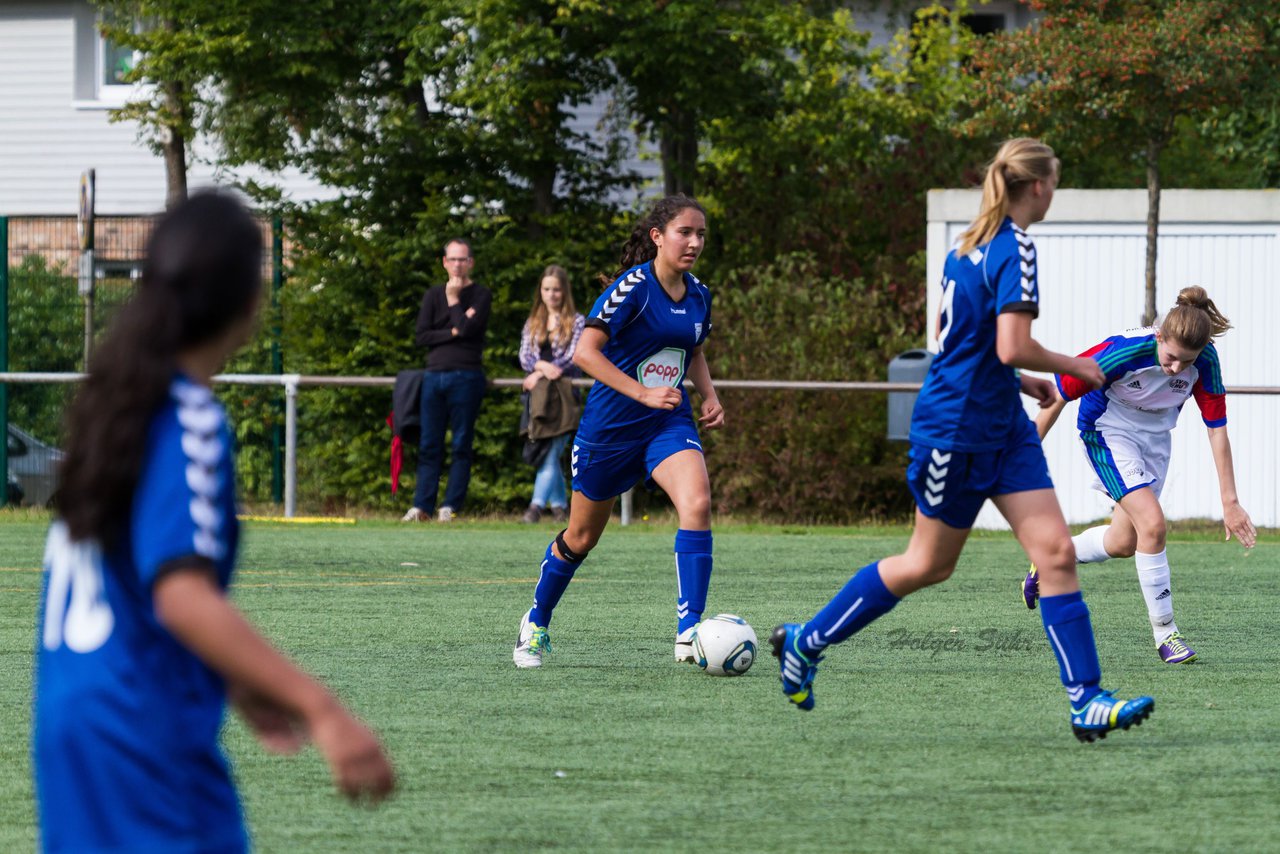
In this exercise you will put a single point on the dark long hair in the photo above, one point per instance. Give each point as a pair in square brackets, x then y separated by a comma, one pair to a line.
[202, 274]
[640, 246]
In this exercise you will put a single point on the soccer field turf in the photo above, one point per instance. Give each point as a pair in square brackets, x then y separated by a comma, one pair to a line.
[942, 726]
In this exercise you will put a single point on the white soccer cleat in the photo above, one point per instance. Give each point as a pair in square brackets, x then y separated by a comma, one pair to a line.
[532, 644]
[687, 647]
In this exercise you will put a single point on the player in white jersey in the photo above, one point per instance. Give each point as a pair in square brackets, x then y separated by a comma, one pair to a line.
[1124, 427]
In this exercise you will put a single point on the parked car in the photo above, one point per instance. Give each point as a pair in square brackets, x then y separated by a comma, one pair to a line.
[33, 468]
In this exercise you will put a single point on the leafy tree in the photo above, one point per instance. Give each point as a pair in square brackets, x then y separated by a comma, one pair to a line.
[431, 120]
[180, 46]
[1118, 75]
[840, 164]
[685, 64]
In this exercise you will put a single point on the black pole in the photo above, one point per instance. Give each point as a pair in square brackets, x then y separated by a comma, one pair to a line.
[4, 354]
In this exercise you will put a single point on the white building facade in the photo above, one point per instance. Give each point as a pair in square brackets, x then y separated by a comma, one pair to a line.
[1091, 259]
[58, 83]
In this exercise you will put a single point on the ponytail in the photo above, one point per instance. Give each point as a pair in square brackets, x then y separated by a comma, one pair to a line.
[1018, 163]
[1194, 321]
[202, 274]
[640, 247]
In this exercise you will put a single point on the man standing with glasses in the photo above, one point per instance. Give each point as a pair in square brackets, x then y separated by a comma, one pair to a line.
[451, 324]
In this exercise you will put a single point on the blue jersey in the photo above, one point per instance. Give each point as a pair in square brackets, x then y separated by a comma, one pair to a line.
[126, 719]
[651, 338]
[970, 401]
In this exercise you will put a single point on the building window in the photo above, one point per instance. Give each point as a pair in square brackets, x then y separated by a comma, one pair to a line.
[113, 66]
[117, 62]
[101, 65]
[985, 23]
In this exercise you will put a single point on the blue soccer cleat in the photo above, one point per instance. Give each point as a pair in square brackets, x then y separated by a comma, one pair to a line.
[797, 668]
[1104, 713]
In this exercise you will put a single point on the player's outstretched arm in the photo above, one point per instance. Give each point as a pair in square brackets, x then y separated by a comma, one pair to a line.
[594, 363]
[700, 373]
[1234, 518]
[283, 704]
[1016, 348]
[1048, 414]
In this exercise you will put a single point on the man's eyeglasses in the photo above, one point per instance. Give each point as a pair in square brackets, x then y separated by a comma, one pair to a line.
[456, 260]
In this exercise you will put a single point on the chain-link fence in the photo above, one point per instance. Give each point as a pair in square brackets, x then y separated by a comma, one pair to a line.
[52, 325]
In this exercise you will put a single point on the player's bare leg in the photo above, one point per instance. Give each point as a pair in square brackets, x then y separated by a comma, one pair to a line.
[930, 557]
[1038, 523]
[587, 521]
[683, 476]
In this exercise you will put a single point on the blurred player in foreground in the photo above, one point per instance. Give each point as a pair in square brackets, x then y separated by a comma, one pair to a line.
[138, 647]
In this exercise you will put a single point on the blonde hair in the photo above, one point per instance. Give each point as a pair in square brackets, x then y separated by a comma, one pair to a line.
[538, 323]
[1018, 163]
[1194, 321]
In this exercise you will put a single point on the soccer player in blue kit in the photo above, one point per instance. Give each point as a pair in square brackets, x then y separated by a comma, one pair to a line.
[138, 648]
[971, 440]
[643, 337]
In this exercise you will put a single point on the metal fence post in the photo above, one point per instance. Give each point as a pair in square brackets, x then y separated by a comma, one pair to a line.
[290, 444]
[625, 511]
[277, 360]
[4, 355]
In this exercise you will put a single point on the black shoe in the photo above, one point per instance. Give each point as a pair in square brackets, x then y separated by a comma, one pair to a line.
[532, 515]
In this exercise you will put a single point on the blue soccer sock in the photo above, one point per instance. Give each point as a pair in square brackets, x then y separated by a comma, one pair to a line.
[863, 599]
[693, 576]
[555, 578]
[1066, 622]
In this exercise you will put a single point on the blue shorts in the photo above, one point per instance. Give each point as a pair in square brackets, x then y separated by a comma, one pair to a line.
[951, 485]
[99, 788]
[602, 471]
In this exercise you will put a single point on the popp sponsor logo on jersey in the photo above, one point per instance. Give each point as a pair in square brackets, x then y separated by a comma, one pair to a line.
[663, 368]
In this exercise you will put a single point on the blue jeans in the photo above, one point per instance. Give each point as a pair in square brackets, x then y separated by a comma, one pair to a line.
[548, 484]
[450, 401]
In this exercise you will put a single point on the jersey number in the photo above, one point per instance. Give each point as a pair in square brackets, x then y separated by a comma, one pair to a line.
[76, 610]
[944, 312]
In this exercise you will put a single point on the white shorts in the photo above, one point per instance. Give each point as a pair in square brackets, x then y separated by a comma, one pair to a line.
[1123, 461]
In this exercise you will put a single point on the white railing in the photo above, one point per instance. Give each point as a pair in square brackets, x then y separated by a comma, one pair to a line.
[292, 382]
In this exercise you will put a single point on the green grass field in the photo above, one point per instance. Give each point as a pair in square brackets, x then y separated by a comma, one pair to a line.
[941, 727]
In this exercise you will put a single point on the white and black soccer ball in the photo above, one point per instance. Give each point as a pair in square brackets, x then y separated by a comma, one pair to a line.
[727, 644]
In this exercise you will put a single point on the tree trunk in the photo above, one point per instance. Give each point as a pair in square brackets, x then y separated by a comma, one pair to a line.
[174, 143]
[175, 168]
[1153, 227]
[679, 148]
[544, 200]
